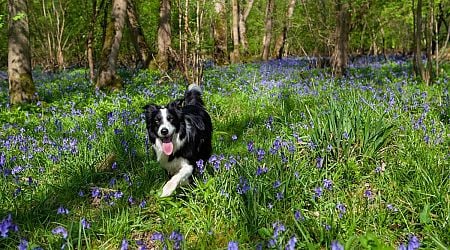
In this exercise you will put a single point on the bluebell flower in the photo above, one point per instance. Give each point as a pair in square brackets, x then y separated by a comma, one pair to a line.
[23, 245]
[341, 209]
[61, 231]
[250, 146]
[243, 186]
[85, 224]
[319, 162]
[62, 210]
[413, 243]
[279, 196]
[260, 154]
[177, 238]
[234, 137]
[318, 192]
[124, 245]
[328, 184]
[232, 245]
[368, 194]
[276, 184]
[143, 204]
[157, 236]
[200, 166]
[278, 227]
[261, 170]
[298, 215]
[345, 136]
[335, 245]
[291, 243]
[7, 225]
[96, 192]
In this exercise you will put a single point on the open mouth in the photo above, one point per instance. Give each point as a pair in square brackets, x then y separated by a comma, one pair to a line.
[167, 145]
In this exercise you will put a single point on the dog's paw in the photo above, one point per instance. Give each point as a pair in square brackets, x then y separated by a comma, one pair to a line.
[168, 189]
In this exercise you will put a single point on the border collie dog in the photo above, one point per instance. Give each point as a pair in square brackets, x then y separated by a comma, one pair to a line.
[180, 134]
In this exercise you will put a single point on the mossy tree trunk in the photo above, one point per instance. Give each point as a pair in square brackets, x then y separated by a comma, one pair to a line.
[220, 33]
[281, 40]
[339, 59]
[244, 12]
[267, 39]
[137, 36]
[164, 36]
[107, 78]
[21, 86]
[235, 55]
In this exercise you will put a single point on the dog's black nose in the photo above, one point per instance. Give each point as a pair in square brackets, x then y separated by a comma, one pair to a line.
[164, 131]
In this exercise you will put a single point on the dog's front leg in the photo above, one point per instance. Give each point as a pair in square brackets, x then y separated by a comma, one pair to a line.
[181, 177]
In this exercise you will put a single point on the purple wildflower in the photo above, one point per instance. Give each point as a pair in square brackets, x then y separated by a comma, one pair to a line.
[250, 146]
[85, 224]
[278, 227]
[157, 236]
[328, 184]
[200, 166]
[368, 193]
[7, 225]
[335, 245]
[62, 210]
[391, 208]
[276, 184]
[413, 243]
[298, 215]
[232, 245]
[234, 137]
[260, 154]
[243, 186]
[96, 192]
[60, 230]
[319, 162]
[143, 204]
[124, 245]
[23, 245]
[341, 209]
[177, 238]
[318, 192]
[261, 170]
[291, 243]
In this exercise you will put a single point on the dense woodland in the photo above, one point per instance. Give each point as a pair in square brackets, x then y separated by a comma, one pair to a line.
[183, 35]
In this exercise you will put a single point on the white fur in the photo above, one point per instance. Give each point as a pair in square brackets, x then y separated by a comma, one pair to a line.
[179, 168]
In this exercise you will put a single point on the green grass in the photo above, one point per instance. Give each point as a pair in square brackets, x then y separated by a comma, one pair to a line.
[363, 161]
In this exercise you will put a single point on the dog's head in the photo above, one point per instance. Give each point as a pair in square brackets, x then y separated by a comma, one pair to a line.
[163, 123]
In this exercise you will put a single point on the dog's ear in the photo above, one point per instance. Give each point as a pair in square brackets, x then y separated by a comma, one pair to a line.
[148, 110]
[177, 104]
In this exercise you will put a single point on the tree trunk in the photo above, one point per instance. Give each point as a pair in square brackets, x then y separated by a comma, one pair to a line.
[21, 86]
[243, 26]
[419, 69]
[137, 36]
[267, 30]
[281, 40]
[90, 38]
[220, 33]
[235, 55]
[107, 78]
[164, 36]
[342, 31]
[428, 77]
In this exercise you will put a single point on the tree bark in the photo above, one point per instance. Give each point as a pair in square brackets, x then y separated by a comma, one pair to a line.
[267, 30]
[419, 69]
[243, 26]
[90, 39]
[220, 33]
[107, 78]
[21, 86]
[137, 36]
[235, 55]
[342, 31]
[164, 36]
[281, 40]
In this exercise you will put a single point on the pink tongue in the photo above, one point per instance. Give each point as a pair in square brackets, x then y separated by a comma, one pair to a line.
[167, 148]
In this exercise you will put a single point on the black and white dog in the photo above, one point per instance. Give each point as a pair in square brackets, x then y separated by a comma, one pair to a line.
[181, 135]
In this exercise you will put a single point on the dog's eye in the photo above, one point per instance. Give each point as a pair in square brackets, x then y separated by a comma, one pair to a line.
[170, 119]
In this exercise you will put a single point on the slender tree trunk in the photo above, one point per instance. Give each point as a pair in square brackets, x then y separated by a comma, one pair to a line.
[21, 86]
[429, 37]
[164, 36]
[419, 69]
[107, 78]
[235, 55]
[90, 39]
[137, 36]
[220, 33]
[243, 26]
[281, 40]
[267, 30]
[342, 31]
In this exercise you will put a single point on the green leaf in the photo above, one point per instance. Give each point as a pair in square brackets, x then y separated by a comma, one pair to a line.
[19, 16]
[425, 214]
